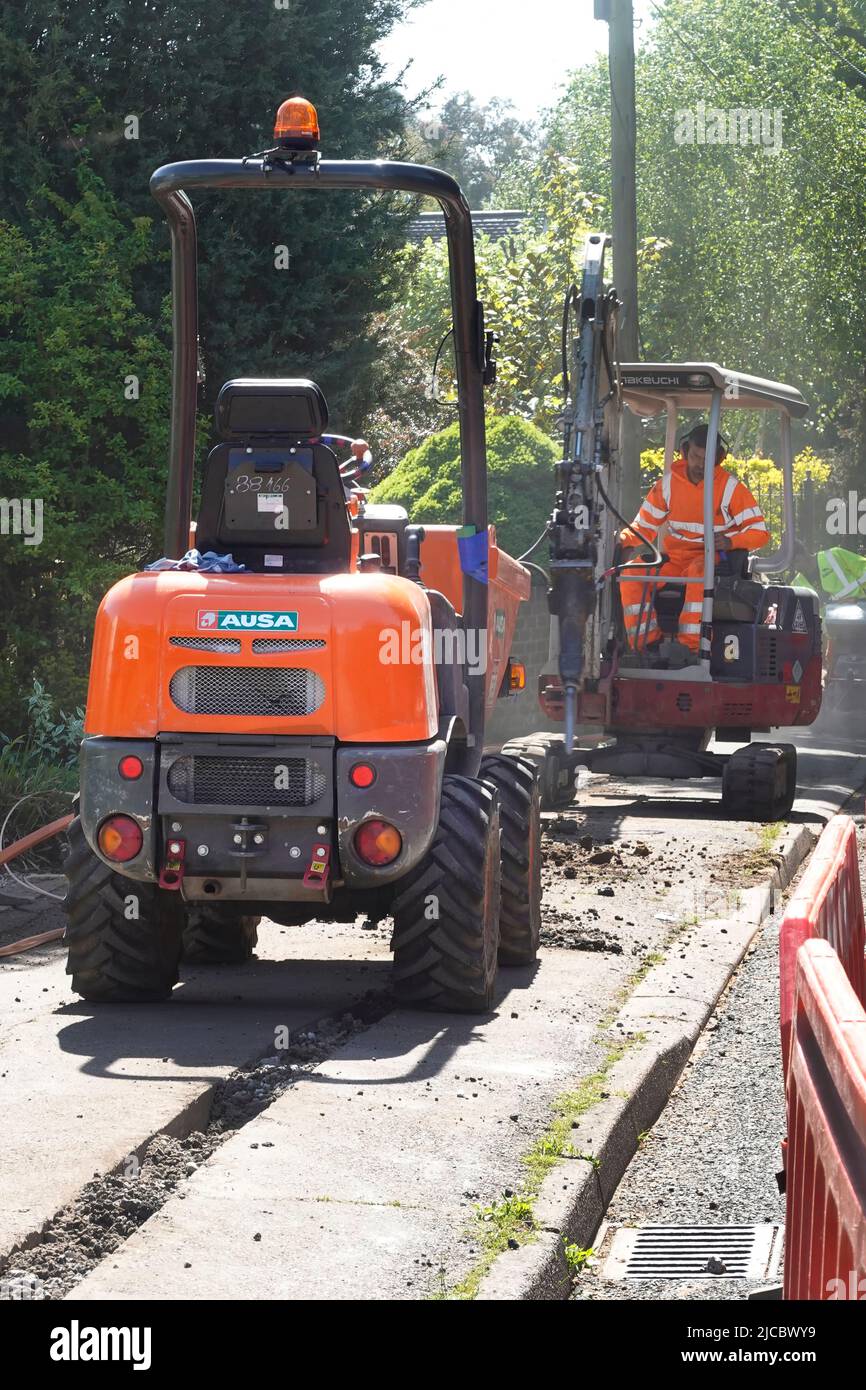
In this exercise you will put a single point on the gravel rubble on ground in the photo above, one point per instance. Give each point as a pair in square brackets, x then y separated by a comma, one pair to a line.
[111, 1208]
[712, 1157]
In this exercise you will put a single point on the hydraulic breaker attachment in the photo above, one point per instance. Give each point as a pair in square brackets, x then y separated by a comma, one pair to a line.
[578, 538]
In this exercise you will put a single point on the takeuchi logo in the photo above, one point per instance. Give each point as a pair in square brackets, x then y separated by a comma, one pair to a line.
[235, 620]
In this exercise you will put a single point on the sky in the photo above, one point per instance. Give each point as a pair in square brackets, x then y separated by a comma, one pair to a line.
[518, 50]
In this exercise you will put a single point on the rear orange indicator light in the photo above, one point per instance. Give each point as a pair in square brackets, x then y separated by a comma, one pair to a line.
[130, 767]
[297, 121]
[120, 838]
[517, 676]
[378, 843]
[362, 775]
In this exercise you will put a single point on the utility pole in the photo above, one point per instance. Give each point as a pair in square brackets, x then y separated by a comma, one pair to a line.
[619, 17]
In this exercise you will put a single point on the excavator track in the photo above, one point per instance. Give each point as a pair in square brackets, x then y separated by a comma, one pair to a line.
[760, 781]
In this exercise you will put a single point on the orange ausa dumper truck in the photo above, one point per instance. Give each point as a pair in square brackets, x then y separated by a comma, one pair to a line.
[302, 737]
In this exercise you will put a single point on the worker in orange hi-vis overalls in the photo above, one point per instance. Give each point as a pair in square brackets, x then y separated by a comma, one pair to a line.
[678, 501]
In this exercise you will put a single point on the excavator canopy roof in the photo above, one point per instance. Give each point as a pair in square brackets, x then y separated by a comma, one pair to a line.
[647, 387]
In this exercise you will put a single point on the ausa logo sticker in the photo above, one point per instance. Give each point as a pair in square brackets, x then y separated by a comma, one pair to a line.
[234, 620]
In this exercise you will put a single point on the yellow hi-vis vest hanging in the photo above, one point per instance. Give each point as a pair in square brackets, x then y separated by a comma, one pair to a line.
[843, 573]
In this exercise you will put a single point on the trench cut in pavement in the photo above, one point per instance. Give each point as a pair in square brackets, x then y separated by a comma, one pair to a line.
[362, 1179]
[83, 1087]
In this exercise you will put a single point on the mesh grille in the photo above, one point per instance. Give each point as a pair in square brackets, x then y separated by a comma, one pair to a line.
[207, 644]
[287, 644]
[263, 690]
[271, 781]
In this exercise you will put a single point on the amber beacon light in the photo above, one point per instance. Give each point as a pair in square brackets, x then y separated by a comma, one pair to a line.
[297, 125]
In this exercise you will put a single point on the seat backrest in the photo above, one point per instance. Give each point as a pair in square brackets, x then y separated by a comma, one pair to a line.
[272, 494]
[737, 563]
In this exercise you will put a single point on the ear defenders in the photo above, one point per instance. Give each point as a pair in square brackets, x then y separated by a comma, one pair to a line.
[722, 445]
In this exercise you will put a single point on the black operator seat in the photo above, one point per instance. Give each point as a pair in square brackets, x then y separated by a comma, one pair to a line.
[272, 494]
[736, 598]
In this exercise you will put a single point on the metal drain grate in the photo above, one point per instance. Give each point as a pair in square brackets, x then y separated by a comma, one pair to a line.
[695, 1252]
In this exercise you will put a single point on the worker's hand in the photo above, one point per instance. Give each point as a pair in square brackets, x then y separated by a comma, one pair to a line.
[724, 543]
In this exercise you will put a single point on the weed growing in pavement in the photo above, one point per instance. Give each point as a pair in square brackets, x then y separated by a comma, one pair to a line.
[510, 1223]
[763, 859]
[577, 1259]
[628, 986]
[770, 834]
[509, 1212]
[502, 1225]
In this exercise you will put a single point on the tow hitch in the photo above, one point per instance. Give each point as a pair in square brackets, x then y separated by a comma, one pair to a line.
[249, 839]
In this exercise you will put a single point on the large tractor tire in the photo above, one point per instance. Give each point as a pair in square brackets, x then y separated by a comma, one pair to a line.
[114, 957]
[759, 781]
[214, 937]
[555, 776]
[516, 780]
[446, 911]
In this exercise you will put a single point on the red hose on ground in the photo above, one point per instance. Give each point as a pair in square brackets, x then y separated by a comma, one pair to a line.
[27, 943]
[36, 837]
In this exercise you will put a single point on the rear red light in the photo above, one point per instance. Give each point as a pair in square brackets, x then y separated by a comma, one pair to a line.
[120, 838]
[130, 767]
[362, 775]
[378, 843]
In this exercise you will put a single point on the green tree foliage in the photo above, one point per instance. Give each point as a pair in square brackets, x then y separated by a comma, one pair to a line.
[84, 269]
[203, 79]
[520, 460]
[522, 281]
[72, 435]
[475, 143]
[757, 256]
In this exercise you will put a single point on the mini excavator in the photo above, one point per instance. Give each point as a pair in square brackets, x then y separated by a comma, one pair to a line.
[758, 666]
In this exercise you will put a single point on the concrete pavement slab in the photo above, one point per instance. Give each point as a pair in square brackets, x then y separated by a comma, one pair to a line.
[421, 1115]
[82, 1088]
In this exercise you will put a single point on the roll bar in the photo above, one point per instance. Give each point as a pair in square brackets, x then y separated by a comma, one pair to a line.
[170, 186]
[780, 559]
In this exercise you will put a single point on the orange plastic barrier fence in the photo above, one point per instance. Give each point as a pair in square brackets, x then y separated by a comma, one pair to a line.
[828, 904]
[825, 1220]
